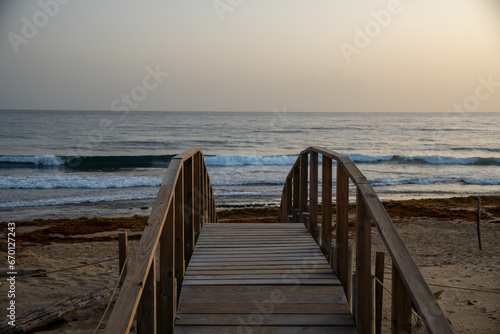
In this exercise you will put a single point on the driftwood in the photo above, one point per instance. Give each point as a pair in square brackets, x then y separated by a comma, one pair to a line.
[22, 272]
[37, 318]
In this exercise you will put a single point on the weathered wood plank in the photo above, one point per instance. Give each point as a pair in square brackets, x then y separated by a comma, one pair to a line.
[337, 320]
[247, 246]
[275, 308]
[286, 293]
[256, 263]
[245, 259]
[230, 271]
[260, 276]
[288, 290]
[293, 279]
[217, 296]
[282, 266]
[246, 328]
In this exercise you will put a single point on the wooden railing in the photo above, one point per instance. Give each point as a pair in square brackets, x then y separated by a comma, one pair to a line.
[407, 280]
[185, 201]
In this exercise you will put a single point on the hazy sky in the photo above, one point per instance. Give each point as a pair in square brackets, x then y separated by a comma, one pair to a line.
[250, 55]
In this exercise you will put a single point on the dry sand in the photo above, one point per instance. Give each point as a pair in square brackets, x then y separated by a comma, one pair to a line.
[445, 250]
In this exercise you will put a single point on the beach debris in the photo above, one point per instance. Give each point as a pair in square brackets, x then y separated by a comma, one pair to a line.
[31, 320]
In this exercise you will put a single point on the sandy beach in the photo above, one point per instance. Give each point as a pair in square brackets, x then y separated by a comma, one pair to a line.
[441, 236]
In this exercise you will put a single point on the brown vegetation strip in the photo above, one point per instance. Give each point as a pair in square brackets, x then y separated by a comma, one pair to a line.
[63, 230]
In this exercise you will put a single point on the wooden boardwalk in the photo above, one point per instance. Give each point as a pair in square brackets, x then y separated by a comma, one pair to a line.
[260, 278]
[268, 278]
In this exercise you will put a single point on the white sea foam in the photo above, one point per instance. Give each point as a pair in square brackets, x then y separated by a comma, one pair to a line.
[77, 182]
[46, 160]
[80, 200]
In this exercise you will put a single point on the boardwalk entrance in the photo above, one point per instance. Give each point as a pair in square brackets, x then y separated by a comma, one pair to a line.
[261, 278]
[269, 278]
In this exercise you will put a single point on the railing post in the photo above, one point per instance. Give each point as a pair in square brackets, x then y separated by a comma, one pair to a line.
[401, 304]
[180, 263]
[205, 191]
[326, 207]
[146, 312]
[348, 286]
[289, 199]
[342, 231]
[282, 217]
[379, 290]
[168, 284]
[304, 160]
[197, 196]
[313, 196]
[202, 193]
[210, 199]
[296, 192]
[188, 209]
[122, 252]
[364, 303]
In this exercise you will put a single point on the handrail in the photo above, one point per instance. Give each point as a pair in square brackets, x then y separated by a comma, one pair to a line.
[185, 201]
[407, 278]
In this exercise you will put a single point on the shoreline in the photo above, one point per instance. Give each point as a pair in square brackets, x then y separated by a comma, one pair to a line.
[130, 208]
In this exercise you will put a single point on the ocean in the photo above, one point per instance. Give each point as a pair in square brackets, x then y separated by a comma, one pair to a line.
[57, 164]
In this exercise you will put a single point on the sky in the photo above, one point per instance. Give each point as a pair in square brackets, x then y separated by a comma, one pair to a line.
[251, 55]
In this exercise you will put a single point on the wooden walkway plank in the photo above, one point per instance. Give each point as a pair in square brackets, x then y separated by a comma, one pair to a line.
[261, 278]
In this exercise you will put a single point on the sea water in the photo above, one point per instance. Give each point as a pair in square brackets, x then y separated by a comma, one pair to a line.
[74, 163]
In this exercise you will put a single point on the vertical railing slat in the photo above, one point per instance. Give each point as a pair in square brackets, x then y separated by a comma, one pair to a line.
[342, 230]
[205, 191]
[379, 290]
[180, 263]
[289, 198]
[401, 304]
[326, 205]
[282, 214]
[167, 297]
[210, 198]
[313, 196]
[146, 312]
[188, 209]
[296, 191]
[122, 252]
[202, 193]
[304, 158]
[197, 195]
[364, 303]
